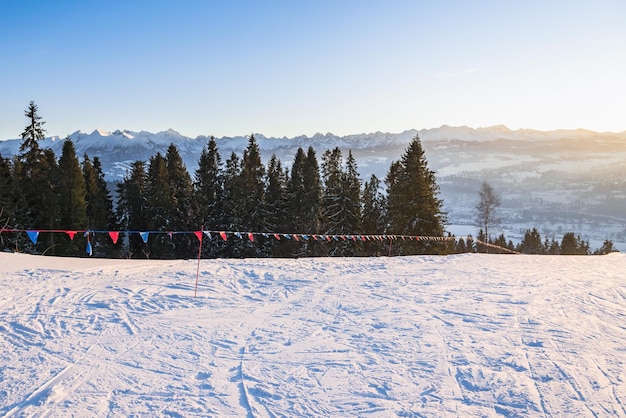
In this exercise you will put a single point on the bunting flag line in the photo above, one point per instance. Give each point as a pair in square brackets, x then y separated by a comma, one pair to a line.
[251, 236]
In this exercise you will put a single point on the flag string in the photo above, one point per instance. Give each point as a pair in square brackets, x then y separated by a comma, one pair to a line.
[224, 234]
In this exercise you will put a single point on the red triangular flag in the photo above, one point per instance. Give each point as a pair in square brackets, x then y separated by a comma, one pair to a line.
[223, 235]
[250, 236]
[71, 234]
[277, 237]
[114, 236]
[198, 235]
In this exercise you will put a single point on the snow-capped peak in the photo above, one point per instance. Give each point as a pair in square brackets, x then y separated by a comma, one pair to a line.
[100, 132]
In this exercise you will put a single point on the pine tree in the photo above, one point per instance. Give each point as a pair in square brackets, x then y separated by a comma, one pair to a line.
[159, 209]
[531, 243]
[553, 248]
[132, 207]
[275, 211]
[460, 246]
[72, 203]
[373, 216]
[208, 187]
[6, 200]
[182, 215]
[351, 197]
[99, 207]
[412, 201]
[33, 133]
[341, 202]
[574, 245]
[35, 185]
[296, 217]
[252, 199]
[607, 248]
[209, 195]
[233, 211]
[333, 214]
[312, 204]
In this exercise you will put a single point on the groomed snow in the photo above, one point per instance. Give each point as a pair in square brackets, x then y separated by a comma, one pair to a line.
[464, 335]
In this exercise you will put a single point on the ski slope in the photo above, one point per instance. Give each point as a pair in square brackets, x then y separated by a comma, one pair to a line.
[464, 335]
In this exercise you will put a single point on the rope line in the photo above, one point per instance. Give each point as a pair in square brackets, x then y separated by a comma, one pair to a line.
[224, 235]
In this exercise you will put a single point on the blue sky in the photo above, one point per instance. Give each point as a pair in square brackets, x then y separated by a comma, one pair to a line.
[286, 68]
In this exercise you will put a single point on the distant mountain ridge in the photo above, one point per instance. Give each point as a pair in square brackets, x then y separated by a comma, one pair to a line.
[119, 148]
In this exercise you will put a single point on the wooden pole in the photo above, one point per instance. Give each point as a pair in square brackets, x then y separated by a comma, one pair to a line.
[195, 292]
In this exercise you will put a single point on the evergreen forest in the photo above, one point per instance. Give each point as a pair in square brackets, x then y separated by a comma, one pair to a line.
[315, 206]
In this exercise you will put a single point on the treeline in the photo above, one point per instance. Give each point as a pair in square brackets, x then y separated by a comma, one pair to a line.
[532, 243]
[239, 194]
[321, 197]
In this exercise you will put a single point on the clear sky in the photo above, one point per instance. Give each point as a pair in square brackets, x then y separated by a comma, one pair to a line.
[286, 68]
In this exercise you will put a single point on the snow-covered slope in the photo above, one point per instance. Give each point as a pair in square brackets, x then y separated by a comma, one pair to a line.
[468, 335]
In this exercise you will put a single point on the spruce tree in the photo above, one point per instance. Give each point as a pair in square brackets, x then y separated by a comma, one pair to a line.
[531, 243]
[6, 200]
[312, 204]
[99, 207]
[209, 195]
[351, 197]
[252, 199]
[233, 211]
[373, 216]
[159, 209]
[574, 245]
[72, 203]
[297, 211]
[132, 207]
[35, 185]
[341, 202]
[412, 202]
[208, 187]
[182, 215]
[33, 133]
[275, 211]
[331, 176]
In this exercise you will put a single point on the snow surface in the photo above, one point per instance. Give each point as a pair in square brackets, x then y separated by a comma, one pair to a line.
[464, 335]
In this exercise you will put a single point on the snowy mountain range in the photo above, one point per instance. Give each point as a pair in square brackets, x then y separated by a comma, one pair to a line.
[558, 181]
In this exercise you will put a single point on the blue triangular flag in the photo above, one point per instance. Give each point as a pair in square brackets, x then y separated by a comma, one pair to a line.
[89, 250]
[33, 235]
[208, 234]
[144, 236]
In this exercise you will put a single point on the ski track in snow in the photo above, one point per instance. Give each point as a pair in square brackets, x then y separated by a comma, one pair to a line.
[465, 335]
